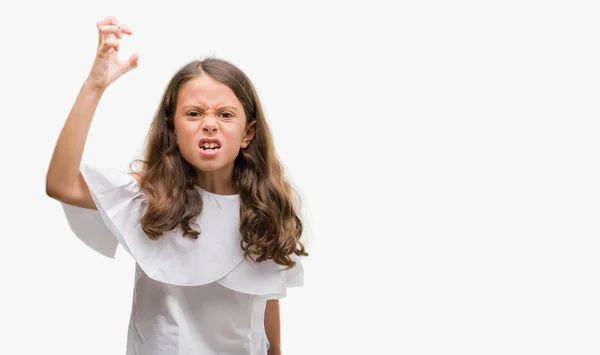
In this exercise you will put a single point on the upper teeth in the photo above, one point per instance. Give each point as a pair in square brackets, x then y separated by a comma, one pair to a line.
[209, 145]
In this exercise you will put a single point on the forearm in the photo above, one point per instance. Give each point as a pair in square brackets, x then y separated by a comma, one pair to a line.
[273, 327]
[68, 151]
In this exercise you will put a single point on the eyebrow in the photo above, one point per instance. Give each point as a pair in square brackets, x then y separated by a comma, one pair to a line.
[201, 107]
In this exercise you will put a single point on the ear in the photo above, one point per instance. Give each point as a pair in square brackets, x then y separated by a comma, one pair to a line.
[249, 135]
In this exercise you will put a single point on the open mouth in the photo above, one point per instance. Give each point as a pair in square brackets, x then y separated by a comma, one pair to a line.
[210, 147]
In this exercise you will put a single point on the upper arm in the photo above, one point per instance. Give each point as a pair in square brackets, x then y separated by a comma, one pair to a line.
[75, 194]
[79, 194]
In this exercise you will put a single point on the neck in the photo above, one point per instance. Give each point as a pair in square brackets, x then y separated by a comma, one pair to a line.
[216, 182]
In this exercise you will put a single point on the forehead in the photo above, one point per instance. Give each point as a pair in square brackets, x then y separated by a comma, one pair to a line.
[206, 91]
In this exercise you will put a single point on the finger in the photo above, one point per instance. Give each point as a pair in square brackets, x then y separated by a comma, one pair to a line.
[130, 64]
[116, 47]
[107, 21]
[110, 43]
[110, 20]
[125, 29]
[111, 29]
[133, 60]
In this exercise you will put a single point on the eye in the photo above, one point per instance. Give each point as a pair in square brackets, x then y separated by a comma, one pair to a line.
[227, 115]
[193, 113]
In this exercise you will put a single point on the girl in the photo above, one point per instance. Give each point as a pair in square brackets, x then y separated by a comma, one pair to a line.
[210, 220]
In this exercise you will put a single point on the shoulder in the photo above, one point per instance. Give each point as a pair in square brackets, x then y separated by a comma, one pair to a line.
[137, 176]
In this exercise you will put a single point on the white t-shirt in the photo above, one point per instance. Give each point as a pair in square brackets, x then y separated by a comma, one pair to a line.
[191, 296]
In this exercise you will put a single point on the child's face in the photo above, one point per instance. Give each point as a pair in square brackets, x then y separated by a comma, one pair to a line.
[208, 109]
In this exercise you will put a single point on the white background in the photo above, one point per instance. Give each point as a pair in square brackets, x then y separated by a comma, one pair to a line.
[447, 154]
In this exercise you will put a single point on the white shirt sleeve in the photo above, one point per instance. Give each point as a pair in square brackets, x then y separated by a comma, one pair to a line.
[216, 256]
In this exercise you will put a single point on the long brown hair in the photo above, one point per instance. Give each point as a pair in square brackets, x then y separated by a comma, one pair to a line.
[270, 225]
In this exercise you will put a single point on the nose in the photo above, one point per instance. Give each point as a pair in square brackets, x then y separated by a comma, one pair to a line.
[209, 124]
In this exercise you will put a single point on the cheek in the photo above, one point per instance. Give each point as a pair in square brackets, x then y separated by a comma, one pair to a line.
[188, 147]
[186, 133]
[187, 142]
[186, 136]
[234, 138]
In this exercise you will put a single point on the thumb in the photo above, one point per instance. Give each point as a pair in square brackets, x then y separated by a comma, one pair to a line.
[133, 60]
[131, 63]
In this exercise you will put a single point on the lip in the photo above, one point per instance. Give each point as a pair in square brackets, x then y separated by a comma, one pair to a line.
[209, 140]
[209, 153]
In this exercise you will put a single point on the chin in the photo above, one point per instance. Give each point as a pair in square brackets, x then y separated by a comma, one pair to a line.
[210, 166]
[208, 169]
[207, 164]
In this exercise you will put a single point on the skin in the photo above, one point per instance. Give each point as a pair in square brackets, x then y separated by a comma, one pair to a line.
[273, 327]
[207, 108]
[64, 181]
